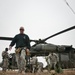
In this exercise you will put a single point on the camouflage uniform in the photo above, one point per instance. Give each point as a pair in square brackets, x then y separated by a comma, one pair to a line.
[53, 60]
[27, 56]
[5, 60]
[20, 59]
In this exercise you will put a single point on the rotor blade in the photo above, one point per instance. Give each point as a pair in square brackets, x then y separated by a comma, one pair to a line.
[34, 41]
[6, 38]
[10, 38]
[68, 29]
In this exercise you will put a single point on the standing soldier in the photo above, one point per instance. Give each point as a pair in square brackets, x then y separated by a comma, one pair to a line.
[53, 60]
[5, 59]
[22, 42]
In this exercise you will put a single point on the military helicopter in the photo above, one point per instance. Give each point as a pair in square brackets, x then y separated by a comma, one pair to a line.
[42, 48]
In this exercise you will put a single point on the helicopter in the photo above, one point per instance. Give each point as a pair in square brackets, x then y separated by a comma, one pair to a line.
[42, 48]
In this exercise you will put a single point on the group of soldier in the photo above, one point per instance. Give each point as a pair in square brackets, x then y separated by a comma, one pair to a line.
[22, 51]
[31, 63]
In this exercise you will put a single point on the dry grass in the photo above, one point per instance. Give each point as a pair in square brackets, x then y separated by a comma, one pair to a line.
[68, 72]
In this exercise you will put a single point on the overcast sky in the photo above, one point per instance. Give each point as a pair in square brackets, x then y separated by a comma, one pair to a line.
[41, 18]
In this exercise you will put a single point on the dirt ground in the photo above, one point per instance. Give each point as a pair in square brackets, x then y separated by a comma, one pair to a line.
[65, 72]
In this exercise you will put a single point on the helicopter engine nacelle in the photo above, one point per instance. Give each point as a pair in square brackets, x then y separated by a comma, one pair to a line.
[52, 48]
[45, 47]
[61, 48]
[49, 47]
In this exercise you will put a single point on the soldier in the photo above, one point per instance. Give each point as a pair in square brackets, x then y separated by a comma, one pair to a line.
[22, 42]
[53, 60]
[40, 67]
[34, 61]
[5, 59]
